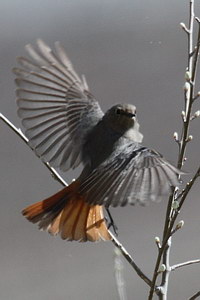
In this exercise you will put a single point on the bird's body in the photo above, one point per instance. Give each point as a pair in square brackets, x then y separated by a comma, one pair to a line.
[66, 126]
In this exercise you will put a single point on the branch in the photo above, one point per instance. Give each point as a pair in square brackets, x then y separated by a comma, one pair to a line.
[130, 259]
[195, 296]
[57, 177]
[189, 85]
[186, 263]
[188, 187]
[171, 213]
[18, 131]
[165, 279]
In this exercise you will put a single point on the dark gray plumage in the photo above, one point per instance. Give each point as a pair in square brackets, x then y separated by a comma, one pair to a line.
[65, 126]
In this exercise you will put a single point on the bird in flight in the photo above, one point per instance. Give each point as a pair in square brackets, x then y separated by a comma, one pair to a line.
[65, 127]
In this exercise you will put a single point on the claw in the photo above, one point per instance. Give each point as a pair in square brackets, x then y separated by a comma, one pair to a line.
[111, 223]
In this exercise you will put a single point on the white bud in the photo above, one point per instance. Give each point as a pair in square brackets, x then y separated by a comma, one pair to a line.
[186, 86]
[175, 204]
[197, 114]
[162, 268]
[190, 138]
[180, 225]
[187, 75]
[157, 239]
[183, 115]
[175, 136]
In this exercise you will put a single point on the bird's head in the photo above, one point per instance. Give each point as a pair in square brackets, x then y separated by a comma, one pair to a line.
[122, 118]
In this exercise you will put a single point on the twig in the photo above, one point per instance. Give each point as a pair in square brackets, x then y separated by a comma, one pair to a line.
[171, 213]
[186, 263]
[60, 180]
[183, 197]
[188, 186]
[130, 259]
[165, 279]
[195, 296]
[190, 82]
[18, 131]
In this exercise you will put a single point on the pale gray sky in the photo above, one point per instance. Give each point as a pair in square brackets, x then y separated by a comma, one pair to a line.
[130, 51]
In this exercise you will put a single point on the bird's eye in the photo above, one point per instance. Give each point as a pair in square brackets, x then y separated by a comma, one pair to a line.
[118, 111]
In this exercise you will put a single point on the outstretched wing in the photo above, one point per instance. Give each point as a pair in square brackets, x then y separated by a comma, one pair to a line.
[137, 174]
[55, 105]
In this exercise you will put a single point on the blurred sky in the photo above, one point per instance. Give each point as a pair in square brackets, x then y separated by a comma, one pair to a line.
[129, 51]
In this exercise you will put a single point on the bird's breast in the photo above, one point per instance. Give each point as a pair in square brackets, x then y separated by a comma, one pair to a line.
[100, 144]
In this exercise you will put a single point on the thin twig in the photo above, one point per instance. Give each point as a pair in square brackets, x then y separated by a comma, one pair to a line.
[189, 95]
[130, 260]
[196, 56]
[172, 214]
[60, 179]
[183, 197]
[165, 279]
[188, 186]
[186, 263]
[195, 296]
[18, 131]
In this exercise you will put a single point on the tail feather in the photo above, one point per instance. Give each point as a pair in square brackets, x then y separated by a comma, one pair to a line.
[69, 215]
[53, 205]
[96, 217]
[80, 231]
[69, 219]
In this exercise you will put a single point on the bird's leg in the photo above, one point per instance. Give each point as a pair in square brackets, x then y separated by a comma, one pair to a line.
[111, 222]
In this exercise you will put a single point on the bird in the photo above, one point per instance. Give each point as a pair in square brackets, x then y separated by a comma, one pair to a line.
[66, 127]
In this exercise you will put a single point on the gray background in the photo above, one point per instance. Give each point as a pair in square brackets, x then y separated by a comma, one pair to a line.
[130, 51]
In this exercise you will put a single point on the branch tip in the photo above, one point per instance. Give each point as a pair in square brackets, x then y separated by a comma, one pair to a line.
[198, 20]
[183, 26]
[157, 241]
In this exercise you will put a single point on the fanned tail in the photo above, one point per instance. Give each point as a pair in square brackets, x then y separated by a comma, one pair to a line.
[66, 213]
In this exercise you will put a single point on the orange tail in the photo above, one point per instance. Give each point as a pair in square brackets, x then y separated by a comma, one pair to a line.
[68, 214]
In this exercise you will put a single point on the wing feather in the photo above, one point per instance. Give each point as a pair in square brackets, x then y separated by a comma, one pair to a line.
[136, 174]
[55, 105]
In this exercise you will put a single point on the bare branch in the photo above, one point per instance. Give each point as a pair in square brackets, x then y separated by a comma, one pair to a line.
[196, 55]
[61, 180]
[172, 212]
[18, 131]
[186, 190]
[183, 26]
[130, 259]
[165, 277]
[195, 296]
[186, 263]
